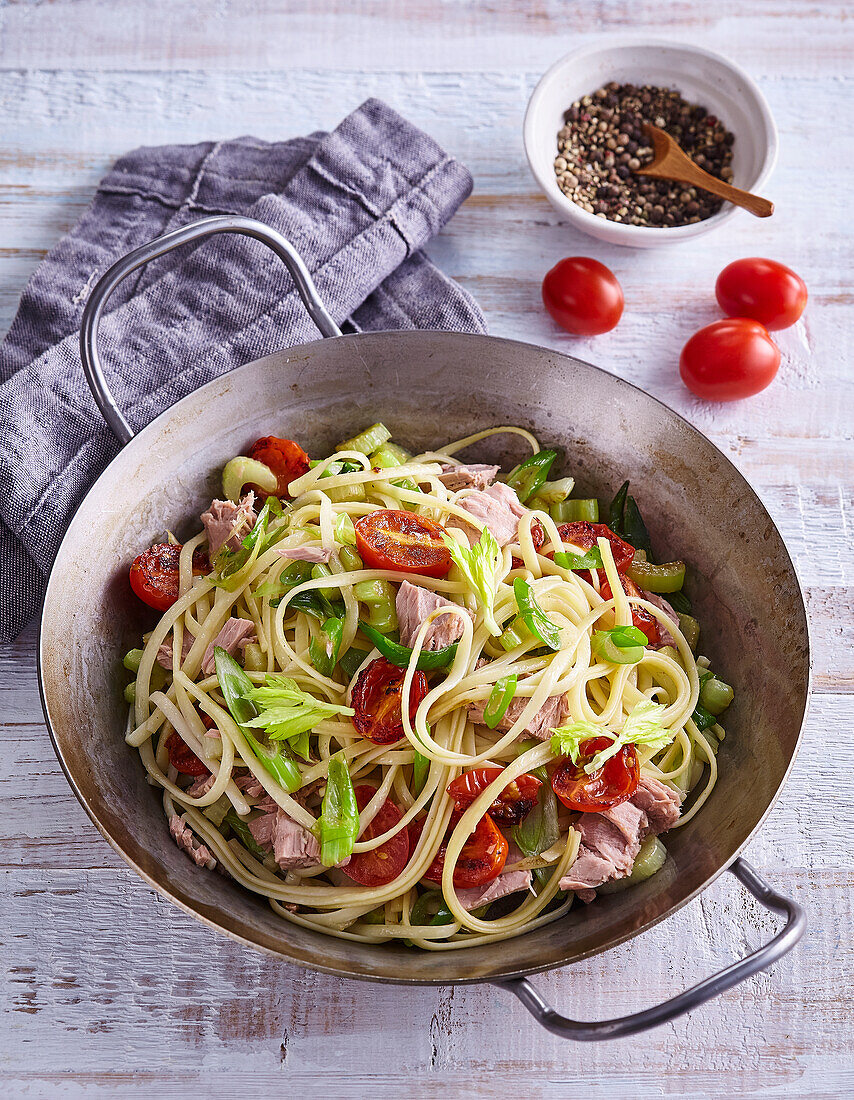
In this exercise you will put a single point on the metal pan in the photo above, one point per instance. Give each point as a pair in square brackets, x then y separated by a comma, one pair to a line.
[430, 387]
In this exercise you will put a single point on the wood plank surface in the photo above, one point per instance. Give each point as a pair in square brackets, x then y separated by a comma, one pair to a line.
[111, 991]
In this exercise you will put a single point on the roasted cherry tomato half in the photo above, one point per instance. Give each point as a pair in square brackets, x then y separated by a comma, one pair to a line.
[286, 459]
[377, 697]
[615, 782]
[641, 618]
[583, 534]
[392, 539]
[583, 296]
[538, 537]
[182, 757]
[154, 574]
[513, 804]
[763, 290]
[481, 860]
[729, 359]
[379, 866]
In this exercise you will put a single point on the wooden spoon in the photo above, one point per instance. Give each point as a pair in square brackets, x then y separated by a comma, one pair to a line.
[671, 162]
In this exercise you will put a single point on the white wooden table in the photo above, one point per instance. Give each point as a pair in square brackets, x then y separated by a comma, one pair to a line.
[111, 991]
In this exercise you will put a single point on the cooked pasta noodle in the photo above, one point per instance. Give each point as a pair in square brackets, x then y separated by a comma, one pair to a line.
[439, 741]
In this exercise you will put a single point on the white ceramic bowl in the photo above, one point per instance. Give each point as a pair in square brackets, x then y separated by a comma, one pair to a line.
[702, 77]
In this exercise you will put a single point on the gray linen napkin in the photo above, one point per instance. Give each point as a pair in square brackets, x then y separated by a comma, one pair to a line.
[358, 204]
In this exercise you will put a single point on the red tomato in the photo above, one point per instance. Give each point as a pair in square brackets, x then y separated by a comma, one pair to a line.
[763, 290]
[391, 539]
[584, 535]
[182, 757]
[286, 459]
[729, 359]
[613, 783]
[513, 804]
[641, 618]
[377, 698]
[154, 574]
[381, 865]
[481, 860]
[583, 296]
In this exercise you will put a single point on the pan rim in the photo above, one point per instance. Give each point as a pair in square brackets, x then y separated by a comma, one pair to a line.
[500, 973]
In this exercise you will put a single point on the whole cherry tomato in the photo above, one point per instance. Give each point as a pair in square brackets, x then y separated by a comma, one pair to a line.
[513, 804]
[763, 290]
[583, 296]
[615, 782]
[379, 866]
[154, 574]
[393, 539]
[286, 459]
[377, 700]
[729, 359]
[481, 860]
[182, 757]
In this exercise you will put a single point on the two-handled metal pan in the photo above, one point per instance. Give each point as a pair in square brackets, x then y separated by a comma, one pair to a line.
[430, 387]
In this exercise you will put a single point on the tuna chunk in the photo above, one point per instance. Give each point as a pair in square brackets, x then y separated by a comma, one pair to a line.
[200, 786]
[498, 508]
[508, 882]
[475, 475]
[183, 837]
[309, 551]
[414, 604]
[227, 523]
[660, 803]
[235, 634]
[291, 844]
[164, 653]
[664, 635]
[250, 786]
[611, 840]
[548, 717]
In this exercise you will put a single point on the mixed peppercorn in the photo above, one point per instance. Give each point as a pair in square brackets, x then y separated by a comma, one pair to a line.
[602, 144]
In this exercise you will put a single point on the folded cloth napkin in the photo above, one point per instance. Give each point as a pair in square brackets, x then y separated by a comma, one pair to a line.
[357, 203]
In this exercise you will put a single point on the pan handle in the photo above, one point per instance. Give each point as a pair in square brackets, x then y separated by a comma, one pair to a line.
[763, 957]
[195, 231]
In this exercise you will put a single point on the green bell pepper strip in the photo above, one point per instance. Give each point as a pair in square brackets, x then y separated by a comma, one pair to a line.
[350, 661]
[702, 719]
[624, 519]
[401, 655]
[591, 560]
[234, 684]
[324, 649]
[533, 616]
[540, 829]
[338, 824]
[420, 768]
[529, 475]
[680, 603]
[499, 700]
[657, 578]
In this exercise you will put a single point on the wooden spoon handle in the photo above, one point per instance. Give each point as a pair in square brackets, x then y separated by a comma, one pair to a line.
[762, 208]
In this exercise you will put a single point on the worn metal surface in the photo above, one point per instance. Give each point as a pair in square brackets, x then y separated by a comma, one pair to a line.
[743, 586]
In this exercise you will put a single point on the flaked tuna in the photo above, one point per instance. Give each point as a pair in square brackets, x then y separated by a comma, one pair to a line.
[474, 475]
[227, 524]
[550, 715]
[235, 635]
[292, 845]
[413, 605]
[309, 551]
[498, 509]
[183, 837]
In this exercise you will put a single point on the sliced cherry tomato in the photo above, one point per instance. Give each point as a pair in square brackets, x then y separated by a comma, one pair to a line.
[379, 866]
[154, 574]
[481, 860]
[392, 539]
[763, 290]
[377, 697]
[641, 618]
[513, 804]
[538, 537]
[583, 534]
[286, 459]
[583, 296]
[615, 782]
[182, 757]
[729, 359]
